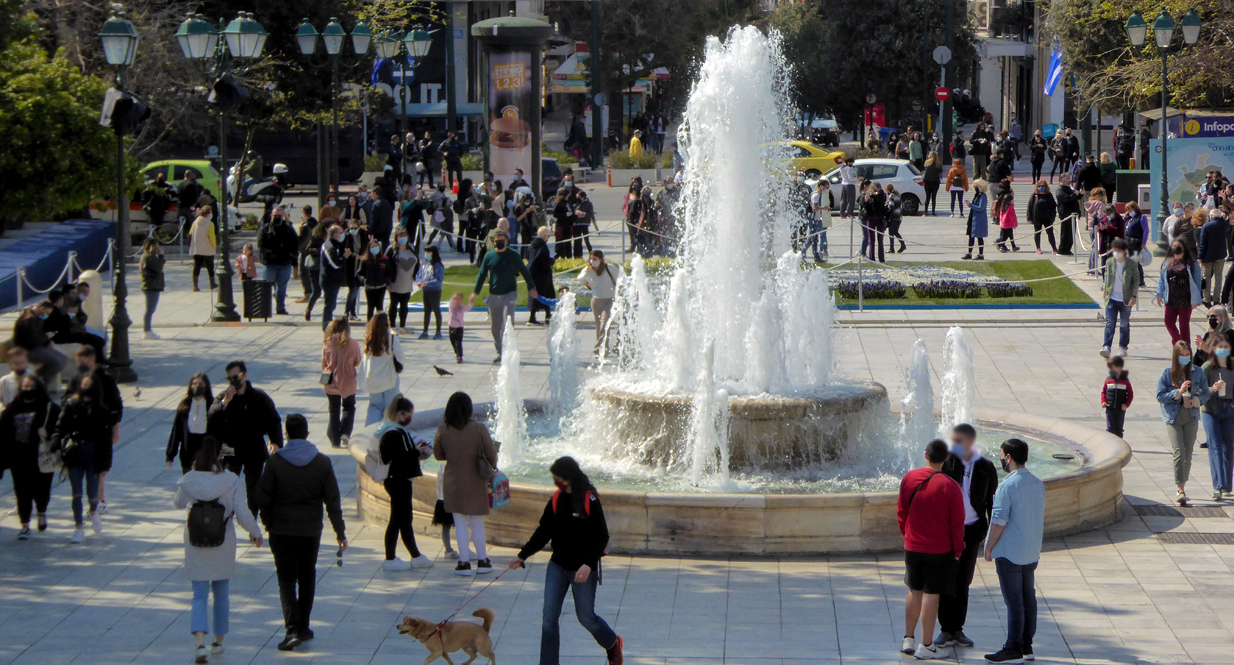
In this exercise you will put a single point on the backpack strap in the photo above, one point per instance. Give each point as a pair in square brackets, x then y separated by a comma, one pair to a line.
[556, 495]
[586, 502]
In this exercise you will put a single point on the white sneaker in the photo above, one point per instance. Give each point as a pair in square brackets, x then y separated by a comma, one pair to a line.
[909, 645]
[1122, 352]
[78, 536]
[96, 523]
[421, 562]
[1105, 352]
[102, 509]
[395, 564]
[930, 652]
[216, 648]
[150, 334]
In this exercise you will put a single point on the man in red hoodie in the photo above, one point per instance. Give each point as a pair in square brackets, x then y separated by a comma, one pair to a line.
[931, 516]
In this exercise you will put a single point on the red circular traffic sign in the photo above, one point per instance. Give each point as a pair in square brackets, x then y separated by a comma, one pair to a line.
[942, 93]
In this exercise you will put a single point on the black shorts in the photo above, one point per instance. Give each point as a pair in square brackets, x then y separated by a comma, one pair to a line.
[931, 573]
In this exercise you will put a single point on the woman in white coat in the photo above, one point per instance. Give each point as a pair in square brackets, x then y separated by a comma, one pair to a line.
[211, 568]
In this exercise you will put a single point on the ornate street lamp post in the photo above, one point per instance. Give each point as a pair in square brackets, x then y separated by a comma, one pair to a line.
[333, 36]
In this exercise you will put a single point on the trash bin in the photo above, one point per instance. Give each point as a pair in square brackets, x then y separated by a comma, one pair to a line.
[257, 299]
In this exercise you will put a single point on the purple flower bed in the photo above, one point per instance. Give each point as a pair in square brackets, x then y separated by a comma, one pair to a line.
[1008, 290]
[883, 289]
[947, 288]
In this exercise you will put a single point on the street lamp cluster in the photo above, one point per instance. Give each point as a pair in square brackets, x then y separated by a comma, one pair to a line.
[412, 45]
[333, 37]
[1163, 33]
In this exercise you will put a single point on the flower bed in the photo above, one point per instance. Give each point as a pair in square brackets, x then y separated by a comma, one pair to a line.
[947, 288]
[871, 289]
[1009, 290]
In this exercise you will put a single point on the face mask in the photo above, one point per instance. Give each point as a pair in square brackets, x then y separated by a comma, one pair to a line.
[43, 317]
[1114, 374]
[1184, 360]
[402, 240]
[235, 381]
[354, 232]
[956, 449]
[500, 245]
[1222, 353]
[373, 250]
[595, 263]
[1006, 467]
[1118, 256]
[561, 484]
[83, 368]
[1212, 322]
[28, 395]
[199, 391]
[332, 203]
[405, 423]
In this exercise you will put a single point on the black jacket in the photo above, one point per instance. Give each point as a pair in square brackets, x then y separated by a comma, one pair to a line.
[540, 265]
[30, 333]
[333, 265]
[578, 540]
[376, 272]
[279, 244]
[177, 443]
[1089, 177]
[243, 422]
[23, 453]
[1041, 208]
[109, 389]
[981, 487]
[399, 451]
[295, 487]
[82, 422]
[1068, 201]
[381, 225]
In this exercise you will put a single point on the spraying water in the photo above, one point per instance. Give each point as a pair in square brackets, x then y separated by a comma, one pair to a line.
[709, 426]
[510, 423]
[959, 382]
[564, 376]
[917, 409]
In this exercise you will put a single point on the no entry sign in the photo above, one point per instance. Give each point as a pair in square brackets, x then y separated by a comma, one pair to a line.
[941, 93]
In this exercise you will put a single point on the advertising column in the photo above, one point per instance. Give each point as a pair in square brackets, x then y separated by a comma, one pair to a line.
[511, 107]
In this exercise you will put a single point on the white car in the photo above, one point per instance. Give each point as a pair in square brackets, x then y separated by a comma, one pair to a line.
[901, 173]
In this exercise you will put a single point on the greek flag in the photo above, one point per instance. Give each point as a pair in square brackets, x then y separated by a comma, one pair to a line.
[1055, 73]
[378, 63]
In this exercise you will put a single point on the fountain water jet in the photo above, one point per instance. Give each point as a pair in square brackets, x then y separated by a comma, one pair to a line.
[959, 382]
[917, 408]
[510, 421]
[564, 377]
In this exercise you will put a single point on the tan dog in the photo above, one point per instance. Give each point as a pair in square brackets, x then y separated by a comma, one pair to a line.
[454, 636]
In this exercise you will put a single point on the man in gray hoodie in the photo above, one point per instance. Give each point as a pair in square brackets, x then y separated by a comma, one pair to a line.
[297, 483]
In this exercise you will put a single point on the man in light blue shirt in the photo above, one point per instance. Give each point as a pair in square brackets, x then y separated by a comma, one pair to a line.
[1014, 545]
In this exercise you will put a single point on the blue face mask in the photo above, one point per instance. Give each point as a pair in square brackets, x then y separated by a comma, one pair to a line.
[354, 232]
[43, 317]
[402, 241]
[1184, 360]
[1222, 353]
[373, 250]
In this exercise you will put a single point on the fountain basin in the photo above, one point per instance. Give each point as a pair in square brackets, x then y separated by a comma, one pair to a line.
[778, 524]
[765, 431]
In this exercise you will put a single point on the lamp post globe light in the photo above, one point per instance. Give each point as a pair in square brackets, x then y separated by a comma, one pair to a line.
[217, 50]
[1163, 34]
[412, 45]
[119, 38]
[333, 37]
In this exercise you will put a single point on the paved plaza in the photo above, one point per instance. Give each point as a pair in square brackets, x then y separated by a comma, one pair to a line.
[1115, 595]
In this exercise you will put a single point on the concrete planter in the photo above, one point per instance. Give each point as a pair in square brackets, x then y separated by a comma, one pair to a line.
[786, 524]
[622, 177]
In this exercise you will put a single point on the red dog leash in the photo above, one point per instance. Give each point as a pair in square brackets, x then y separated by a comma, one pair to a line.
[442, 625]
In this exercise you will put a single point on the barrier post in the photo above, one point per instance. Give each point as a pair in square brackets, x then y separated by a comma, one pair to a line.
[608, 175]
[861, 284]
[1075, 239]
[21, 275]
[69, 268]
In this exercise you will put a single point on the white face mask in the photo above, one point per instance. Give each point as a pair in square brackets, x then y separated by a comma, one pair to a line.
[1119, 256]
[595, 263]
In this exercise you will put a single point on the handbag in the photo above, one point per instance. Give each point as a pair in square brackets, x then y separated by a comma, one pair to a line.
[49, 460]
[326, 378]
[484, 467]
[70, 453]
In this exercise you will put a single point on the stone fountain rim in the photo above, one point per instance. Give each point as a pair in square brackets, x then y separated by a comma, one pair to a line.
[1102, 452]
[783, 401]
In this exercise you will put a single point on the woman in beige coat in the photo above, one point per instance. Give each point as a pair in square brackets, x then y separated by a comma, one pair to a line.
[202, 244]
[460, 441]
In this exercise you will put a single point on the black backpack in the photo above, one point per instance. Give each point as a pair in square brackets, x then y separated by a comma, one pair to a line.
[207, 523]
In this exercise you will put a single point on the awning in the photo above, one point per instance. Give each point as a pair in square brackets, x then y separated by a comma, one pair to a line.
[571, 76]
[1155, 114]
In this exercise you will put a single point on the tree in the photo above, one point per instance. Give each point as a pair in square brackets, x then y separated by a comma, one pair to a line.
[54, 155]
[1110, 75]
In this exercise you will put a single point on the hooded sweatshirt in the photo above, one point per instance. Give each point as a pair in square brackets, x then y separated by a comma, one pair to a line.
[207, 564]
[401, 450]
[297, 483]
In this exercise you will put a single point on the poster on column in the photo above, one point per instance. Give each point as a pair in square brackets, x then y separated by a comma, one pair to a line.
[1187, 166]
[510, 110]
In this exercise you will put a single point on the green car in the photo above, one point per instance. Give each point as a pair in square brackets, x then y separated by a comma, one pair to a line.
[174, 170]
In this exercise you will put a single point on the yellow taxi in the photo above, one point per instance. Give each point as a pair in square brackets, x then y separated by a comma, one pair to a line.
[812, 159]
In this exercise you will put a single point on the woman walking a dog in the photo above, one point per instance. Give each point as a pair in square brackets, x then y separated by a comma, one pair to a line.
[574, 522]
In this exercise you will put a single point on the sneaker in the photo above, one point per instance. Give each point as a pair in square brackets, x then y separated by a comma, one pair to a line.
[150, 334]
[421, 562]
[24, 534]
[42, 522]
[102, 509]
[484, 567]
[1122, 352]
[614, 654]
[423, 335]
[1104, 352]
[1004, 656]
[201, 656]
[1028, 653]
[1216, 497]
[909, 645]
[291, 641]
[216, 648]
[1038, 250]
[944, 640]
[497, 360]
[463, 569]
[928, 652]
[451, 554]
[305, 634]
[395, 564]
[458, 360]
[345, 439]
[438, 336]
[958, 638]
[96, 523]
[1181, 498]
[79, 534]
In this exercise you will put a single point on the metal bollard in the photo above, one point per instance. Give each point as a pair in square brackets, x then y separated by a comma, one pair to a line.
[69, 268]
[21, 275]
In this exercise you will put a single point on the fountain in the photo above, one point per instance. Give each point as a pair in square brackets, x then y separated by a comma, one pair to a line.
[721, 426]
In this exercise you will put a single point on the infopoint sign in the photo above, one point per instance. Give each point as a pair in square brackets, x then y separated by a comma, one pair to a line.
[1190, 161]
[1203, 127]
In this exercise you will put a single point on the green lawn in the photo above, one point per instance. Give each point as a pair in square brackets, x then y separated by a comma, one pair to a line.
[463, 279]
[1061, 291]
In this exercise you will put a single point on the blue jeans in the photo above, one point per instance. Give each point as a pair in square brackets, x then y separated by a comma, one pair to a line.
[280, 275]
[1220, 433]
[330, 296]
[557, 581]
[222, 606]
[84, 472]
[152, 303]
[377, 403]
[1112, 311]
[1020, 595]
[817, 240]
